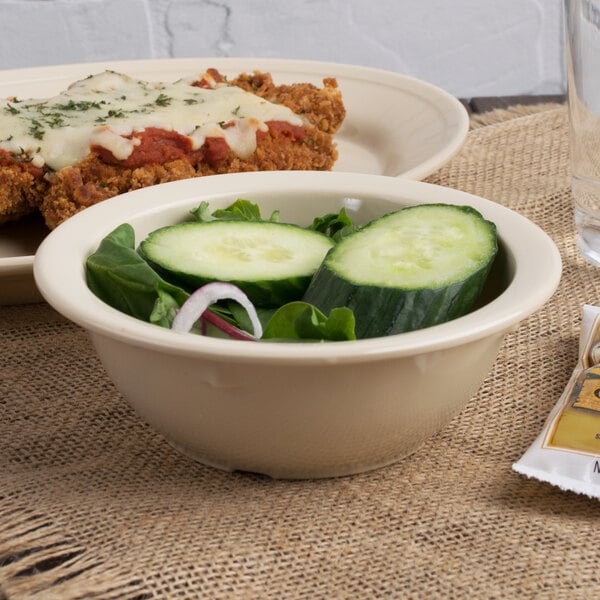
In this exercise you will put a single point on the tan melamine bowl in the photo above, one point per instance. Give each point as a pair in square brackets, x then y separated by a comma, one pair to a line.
[297, 410]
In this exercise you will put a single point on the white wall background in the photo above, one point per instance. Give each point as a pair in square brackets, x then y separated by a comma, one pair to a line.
[468, 47]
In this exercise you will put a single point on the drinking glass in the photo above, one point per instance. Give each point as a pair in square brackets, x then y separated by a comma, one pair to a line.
[582, 27]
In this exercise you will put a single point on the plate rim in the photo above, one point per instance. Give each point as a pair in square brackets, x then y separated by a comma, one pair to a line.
[23, 264]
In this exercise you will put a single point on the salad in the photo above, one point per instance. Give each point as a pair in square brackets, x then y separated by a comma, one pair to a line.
[237, 274]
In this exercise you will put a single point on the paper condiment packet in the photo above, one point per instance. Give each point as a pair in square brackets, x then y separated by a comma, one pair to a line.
[567, 451]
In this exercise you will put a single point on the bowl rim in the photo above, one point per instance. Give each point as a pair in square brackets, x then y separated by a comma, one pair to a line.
[536, 276]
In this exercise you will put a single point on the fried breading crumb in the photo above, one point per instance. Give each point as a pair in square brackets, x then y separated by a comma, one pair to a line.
[20, 193]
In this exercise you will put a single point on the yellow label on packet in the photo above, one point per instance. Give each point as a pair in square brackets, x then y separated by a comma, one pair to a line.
[566, 453]
[578, 425]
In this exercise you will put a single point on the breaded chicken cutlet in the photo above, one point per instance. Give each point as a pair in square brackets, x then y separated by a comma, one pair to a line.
[110, 134]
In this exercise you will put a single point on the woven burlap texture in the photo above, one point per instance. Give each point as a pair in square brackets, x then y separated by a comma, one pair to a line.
[94, 504]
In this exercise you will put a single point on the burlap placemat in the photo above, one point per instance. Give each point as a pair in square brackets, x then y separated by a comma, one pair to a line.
[93, 504]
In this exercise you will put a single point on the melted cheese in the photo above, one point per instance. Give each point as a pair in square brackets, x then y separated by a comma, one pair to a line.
[104, 109]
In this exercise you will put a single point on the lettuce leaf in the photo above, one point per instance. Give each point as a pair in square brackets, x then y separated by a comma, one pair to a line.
[240, 210]
[119, 276]
[302, 321]
[335, 225]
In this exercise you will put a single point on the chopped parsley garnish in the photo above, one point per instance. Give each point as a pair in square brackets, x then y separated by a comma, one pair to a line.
[163, 100]
[54, 120]
[112, 113]
[11, 109]
[80, 105]
[36, 129]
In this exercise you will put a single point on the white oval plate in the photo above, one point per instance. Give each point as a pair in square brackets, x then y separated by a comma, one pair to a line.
[395, 125]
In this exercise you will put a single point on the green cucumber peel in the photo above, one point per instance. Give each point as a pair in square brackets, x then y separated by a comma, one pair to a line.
[410, 269]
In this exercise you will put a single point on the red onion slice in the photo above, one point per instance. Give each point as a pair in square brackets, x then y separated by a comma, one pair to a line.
[193, 308]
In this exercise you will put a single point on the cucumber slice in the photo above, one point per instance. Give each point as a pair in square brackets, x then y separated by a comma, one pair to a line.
[410, 269]
[271, 262]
